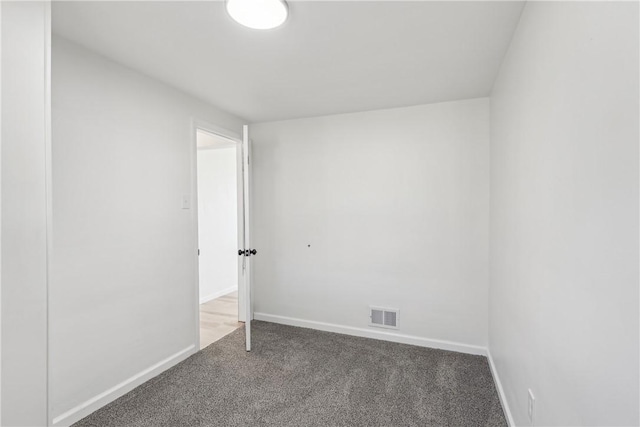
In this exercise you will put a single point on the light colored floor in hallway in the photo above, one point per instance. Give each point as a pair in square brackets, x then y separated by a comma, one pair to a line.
[218, 317]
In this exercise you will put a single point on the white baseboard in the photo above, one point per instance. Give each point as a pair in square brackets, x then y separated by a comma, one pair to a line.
[218, 294]
[503, 397]
[374, 333]
[97, 402]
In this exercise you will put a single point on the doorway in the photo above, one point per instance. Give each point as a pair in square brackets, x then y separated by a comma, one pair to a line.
[218, 216]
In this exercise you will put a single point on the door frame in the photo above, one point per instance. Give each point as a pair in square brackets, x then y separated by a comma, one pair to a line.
[236, 138]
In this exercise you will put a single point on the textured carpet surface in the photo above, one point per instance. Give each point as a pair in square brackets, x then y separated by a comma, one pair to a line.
[302, 377]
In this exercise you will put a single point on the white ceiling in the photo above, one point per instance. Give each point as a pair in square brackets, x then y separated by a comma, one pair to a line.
[329, 57]
[206, 139]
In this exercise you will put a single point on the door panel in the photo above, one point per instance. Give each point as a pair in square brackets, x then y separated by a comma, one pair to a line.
[241, 261]
[246, 264]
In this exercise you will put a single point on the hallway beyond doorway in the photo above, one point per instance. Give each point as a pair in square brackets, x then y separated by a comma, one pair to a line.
[218, 317]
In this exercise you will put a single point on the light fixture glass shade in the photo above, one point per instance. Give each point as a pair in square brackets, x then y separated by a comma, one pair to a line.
[258, 14]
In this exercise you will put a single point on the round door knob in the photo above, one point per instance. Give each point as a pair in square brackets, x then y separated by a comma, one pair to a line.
[253, 251]
[240, 252]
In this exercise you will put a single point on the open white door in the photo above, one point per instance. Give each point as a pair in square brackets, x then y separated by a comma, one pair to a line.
[248, 251]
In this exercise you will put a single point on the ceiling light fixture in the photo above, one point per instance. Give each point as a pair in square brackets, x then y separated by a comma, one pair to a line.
[258, 14]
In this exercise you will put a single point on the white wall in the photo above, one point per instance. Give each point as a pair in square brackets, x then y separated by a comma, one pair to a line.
[123, 295]
[25, 142]
[394, 205]
[564, 215]
[217, 222]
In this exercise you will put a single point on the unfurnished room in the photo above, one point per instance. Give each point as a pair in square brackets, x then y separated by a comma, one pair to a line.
[319, 213]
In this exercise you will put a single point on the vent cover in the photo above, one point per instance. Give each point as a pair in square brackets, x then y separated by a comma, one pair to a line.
[383, 317]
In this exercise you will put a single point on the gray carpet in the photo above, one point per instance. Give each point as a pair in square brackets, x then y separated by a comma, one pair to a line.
[302, 377]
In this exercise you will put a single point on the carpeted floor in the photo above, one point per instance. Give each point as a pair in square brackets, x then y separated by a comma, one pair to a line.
[302, 377]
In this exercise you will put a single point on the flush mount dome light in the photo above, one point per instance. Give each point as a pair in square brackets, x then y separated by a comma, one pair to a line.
[258, 14]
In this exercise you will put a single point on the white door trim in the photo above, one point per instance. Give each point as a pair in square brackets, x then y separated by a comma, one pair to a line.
[49, 202]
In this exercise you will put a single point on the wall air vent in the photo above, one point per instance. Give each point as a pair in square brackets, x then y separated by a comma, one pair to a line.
[383, 317]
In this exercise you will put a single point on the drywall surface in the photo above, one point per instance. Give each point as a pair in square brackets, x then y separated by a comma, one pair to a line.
[217, 222]
[124, 269]
[25, 82]
[387, 208]
[564, 215]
